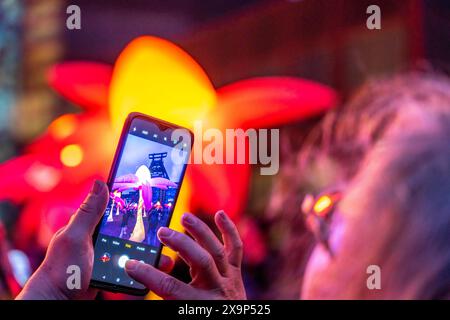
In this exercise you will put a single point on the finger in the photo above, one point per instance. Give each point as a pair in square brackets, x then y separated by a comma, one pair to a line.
[159, 282]
[91, 210]
[231, 238]
[207, 239]
[166, 263]
[191, 252]
[61, 230]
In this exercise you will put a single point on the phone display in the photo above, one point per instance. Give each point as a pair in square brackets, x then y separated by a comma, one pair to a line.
[144, 183]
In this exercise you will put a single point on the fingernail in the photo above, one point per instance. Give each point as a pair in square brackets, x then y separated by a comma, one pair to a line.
[97, 187]
[165, 232]
[188, 219]
[131, 265]
[222, 215]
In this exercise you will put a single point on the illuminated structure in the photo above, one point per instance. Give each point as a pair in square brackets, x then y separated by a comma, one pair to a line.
[156, 77]
[156, 167]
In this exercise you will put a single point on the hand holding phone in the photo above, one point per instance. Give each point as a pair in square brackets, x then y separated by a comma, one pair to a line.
[71, 253]
[66, 270]
[144, 183]
[215, 267]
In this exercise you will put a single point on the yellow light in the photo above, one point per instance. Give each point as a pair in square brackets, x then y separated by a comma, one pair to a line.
[71, 155]
[322, 204]
[64, 126]
[175, 223]
[155, 77]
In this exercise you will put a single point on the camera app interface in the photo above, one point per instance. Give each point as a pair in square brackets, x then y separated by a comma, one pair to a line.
[141, 201]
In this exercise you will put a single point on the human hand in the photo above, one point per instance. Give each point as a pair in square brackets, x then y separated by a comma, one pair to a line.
[72, 245]
[215, 268]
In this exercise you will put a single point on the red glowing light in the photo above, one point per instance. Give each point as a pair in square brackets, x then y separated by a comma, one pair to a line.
[101, 91]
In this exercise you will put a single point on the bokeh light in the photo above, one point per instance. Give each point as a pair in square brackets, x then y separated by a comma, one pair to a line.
[71, 155]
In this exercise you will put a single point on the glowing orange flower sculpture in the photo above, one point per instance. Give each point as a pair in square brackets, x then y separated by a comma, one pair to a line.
[156, 77]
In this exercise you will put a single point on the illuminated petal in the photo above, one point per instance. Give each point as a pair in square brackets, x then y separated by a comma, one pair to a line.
[122, 186]
[156, 77]
[143, 174]
[269, 102]
[86, 84]
[127, 178]
[162, 183]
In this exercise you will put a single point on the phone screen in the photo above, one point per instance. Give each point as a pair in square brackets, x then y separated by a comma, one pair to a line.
[144, 185]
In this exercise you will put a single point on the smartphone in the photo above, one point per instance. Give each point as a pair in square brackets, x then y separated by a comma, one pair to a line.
[144, 182]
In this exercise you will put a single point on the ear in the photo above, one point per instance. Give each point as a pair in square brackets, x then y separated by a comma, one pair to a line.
[85, 84]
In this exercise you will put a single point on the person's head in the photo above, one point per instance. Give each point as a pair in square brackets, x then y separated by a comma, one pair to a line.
[394, 215]
[348, 133]
[332, 155]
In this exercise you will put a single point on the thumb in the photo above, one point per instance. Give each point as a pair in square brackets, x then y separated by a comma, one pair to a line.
[90, 211]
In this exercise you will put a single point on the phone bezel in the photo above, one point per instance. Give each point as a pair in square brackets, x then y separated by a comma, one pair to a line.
[120, 288]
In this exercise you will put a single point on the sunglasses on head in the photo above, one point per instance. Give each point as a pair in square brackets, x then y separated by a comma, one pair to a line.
[317, 212]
